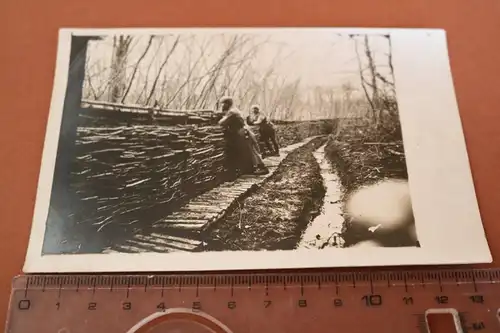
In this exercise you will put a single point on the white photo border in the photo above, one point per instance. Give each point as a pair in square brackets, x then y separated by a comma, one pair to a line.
[448, 221]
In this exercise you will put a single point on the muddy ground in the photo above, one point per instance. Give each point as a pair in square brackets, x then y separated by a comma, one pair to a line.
[274, 215]
[365, 156]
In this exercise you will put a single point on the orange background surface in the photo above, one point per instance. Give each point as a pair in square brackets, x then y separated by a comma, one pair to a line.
[28, 52]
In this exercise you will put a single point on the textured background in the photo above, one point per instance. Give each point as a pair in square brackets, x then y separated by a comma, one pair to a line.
[183, 161]
[28, 51]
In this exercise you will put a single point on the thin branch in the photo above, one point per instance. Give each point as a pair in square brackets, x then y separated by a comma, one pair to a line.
[210, 83]
[373, 70]
[361, 76]
[188, 80]
[390, 59]
[153, 88]
[383, 79]
[92, 90]
[146, 80]
[136, 68]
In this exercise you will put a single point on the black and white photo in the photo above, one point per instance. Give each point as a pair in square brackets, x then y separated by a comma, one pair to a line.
[201, 149]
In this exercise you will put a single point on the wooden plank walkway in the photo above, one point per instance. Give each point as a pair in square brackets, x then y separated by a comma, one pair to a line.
[181, 230]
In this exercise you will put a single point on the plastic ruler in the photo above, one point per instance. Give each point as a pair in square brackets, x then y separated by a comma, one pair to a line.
[327, 301]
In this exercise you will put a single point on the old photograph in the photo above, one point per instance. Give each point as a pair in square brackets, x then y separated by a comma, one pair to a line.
[202, 149]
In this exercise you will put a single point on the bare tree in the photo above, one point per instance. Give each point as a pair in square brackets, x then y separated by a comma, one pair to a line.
[292, 95]
[191, 83]
[97, 78]
[134, 72]
[362, 78]
[167, 57]
[390, 59]
[148, 70]
[373, 70]
[121, 45]
[191, 72]
[209, 86]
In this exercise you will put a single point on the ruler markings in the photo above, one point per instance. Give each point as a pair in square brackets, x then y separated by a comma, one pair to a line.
[474, 282]
[354, 279]
[471, 312]
[493, 276]
[59, 290]
[371, 284]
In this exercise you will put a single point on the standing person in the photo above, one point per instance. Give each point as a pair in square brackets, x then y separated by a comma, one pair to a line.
[241, 146]
[266, 130]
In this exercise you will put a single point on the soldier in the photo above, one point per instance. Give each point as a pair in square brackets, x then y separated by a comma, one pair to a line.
[242, 150]
[266, 130]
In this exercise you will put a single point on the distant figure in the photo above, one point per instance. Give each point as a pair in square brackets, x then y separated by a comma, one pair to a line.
[242, 151]
[266, 130]
[153, 112]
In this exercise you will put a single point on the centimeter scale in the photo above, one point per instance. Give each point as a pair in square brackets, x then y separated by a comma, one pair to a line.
[400, 301]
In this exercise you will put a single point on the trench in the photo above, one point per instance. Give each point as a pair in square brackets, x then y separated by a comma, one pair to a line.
[275, 214]
[325, 229]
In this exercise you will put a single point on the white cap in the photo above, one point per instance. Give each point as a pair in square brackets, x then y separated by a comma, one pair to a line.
[226, 99]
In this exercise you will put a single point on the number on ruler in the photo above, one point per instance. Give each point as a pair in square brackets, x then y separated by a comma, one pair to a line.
[442, 299]
[477, 299]
[408, 300]
[127, 306]
[372, 300]
[196, 306]
[92, 306]
[477, 326]
[24, 304]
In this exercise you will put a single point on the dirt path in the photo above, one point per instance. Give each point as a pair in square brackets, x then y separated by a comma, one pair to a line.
[274, 216]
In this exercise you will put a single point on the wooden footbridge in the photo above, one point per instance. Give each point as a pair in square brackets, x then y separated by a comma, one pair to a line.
[183, 230]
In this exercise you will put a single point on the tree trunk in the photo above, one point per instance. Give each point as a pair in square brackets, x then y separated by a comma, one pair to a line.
[136, 68]
[373, 74]
[121, 45]
[390, 60]
[362, 78]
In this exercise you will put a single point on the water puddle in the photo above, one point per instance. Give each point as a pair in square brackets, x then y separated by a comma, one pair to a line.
[324, 230]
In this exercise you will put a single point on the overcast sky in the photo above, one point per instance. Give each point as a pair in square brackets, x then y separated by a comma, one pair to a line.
[318, 57]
